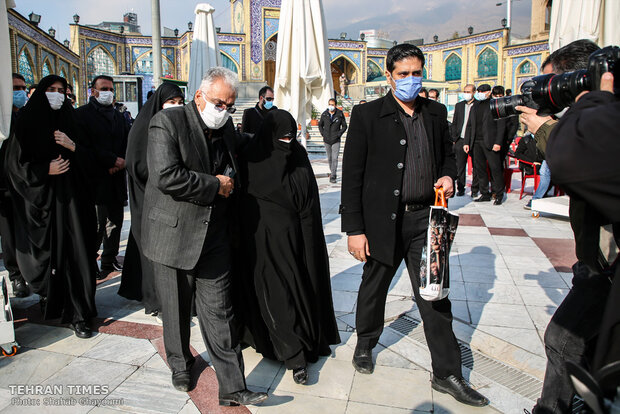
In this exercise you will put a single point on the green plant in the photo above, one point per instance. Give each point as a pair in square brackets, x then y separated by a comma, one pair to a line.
[315, 113]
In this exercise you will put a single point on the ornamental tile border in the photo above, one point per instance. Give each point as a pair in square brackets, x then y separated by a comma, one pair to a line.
[528, 49]
[377, 52]
[463, 42]
[340, 44]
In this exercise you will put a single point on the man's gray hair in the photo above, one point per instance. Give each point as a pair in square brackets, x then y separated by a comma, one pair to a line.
[219, 72]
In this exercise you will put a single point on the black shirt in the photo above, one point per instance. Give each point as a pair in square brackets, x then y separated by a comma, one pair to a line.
[220, 161]
[418, 181]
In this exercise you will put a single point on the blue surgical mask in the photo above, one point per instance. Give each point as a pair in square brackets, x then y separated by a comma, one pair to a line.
[407, 89]
[268, 105]
[466, 96]
[480, 96]
[20, 98]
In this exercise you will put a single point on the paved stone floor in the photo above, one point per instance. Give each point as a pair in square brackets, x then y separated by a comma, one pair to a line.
[509, 273]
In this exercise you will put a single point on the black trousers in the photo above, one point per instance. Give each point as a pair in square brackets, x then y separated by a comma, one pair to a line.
[437, 316]
[571, 336]
[109, 223]
[461, 165]
[482, 156]
[210, 282]
[7, 238]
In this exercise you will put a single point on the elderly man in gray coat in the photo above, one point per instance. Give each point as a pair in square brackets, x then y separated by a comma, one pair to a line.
[191, 162]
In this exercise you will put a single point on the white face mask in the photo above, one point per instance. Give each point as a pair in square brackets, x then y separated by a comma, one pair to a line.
[105, 98]
[467, 96]
[212, 117]
[331, 108]
[170, 105]
[56, 99]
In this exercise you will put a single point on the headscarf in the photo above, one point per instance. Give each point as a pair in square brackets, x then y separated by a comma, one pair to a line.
[37, 122]
[273, 160]
[138, 135]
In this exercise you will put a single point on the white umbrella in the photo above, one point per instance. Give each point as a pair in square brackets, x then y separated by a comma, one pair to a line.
[303, 72]
[6, 81]
[596, 20]
[205, 51]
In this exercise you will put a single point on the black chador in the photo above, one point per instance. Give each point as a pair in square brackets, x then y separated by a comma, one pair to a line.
[287, 252]
[137, 281]
[55, 212]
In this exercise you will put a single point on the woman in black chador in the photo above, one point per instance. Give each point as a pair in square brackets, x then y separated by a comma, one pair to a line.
[287, 250]
[137, 279]
[48, 165]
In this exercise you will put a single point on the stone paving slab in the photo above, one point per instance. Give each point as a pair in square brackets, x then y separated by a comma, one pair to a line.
[509, 273]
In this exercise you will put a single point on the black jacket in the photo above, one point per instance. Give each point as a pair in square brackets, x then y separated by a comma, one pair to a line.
[253, 118]
[332, 128]
[109, 137]
[373, 168]
[182, 188]
[457, 123]
[488, 130]
[583, 149]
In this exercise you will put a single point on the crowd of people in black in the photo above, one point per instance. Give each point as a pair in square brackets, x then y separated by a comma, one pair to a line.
[226, 221]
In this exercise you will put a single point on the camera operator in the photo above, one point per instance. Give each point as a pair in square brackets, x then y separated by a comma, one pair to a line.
[582, 151]
[569, 58]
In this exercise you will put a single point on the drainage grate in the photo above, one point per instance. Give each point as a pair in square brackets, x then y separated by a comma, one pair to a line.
[511, 378]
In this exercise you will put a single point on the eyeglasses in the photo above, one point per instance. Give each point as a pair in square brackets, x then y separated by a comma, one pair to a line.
[221, 106]
[269, 99]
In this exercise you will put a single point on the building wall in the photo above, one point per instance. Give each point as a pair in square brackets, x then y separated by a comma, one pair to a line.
[44, 54]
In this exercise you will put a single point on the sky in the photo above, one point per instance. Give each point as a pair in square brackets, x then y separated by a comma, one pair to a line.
[402, 19]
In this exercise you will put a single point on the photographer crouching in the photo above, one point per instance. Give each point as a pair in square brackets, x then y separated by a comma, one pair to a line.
[582, 153]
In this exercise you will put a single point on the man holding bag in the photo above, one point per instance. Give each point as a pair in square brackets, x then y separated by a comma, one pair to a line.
[398, 150]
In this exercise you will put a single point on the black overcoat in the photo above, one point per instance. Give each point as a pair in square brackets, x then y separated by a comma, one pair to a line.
[374, 157]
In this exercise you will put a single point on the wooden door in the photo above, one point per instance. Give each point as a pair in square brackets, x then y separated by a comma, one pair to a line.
[270, 72]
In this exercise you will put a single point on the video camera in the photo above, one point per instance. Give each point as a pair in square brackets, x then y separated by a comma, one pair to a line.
[551, 93]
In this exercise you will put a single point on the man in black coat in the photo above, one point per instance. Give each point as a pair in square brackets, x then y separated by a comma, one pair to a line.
[108, 130]
[398, 150]
[332, 125]
[488, 139]
[253, 117]
[463, 127]
[191, 159]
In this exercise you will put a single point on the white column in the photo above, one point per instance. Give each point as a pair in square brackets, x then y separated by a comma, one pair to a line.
[155, 18]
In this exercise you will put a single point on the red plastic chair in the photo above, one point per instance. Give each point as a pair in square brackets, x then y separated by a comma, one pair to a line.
[524, 177]
[511, 166]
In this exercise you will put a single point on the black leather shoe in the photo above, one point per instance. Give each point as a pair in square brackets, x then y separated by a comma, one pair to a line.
[460, 193]
[20, 288]
[362, 361]
[460, 390]
[82, 330]
[181, 380]
[497, 201]
[244, 397]
[482, 198]
[300, 375]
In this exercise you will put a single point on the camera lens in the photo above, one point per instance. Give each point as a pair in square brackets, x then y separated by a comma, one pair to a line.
[504, 107]
[555, 92]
